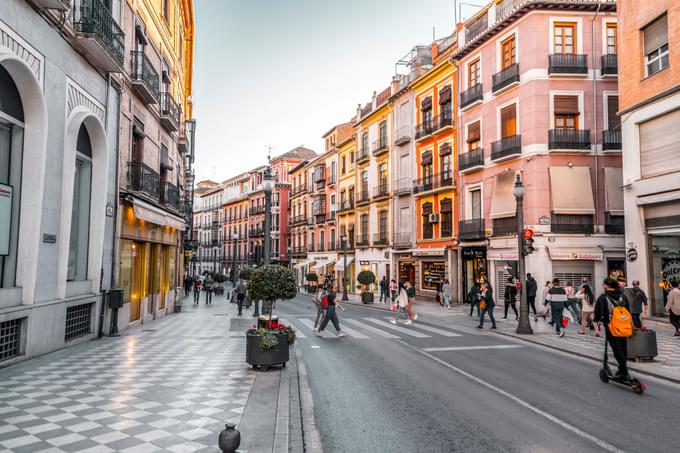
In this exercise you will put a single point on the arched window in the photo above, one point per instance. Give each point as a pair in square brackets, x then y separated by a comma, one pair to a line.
[80, 212]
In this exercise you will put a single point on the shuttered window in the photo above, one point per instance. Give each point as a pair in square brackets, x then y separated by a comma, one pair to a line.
[474, 76]
[566, 112]
[509, 121]
[656, 45]
[613, 120]
[564, 38]
[659, 144]
[474, 136]
[508, 52]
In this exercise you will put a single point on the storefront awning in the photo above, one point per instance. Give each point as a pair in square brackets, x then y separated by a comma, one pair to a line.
[150, 213]
[503, 202]
[613, 182]
[340, 264]
[319, 265]
[508, 254]
[563, 254]
[302, 264]
[571, 191]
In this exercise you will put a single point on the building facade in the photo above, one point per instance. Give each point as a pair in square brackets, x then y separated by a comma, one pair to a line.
[297, 220]
[235, 225]
[649, 41]
[59, 99]
[538, 99]
[346, 152]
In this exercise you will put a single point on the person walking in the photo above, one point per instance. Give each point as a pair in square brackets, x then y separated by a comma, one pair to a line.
[318, 302]
[331, 314]
[197, 290]
[546, 302]
[438, 290]
[402, 302]
[384, 290]
[394, 290]
[188, 283]
[446, 294]
[673, 307]
[572, 304]
[411, 294]
[486, 305]
[531, 288]
[209, 283]
[638, 306]
[557, 297]
[587, 298]
[473, 297]
[240, 295]
[613, 295]
[510, 297]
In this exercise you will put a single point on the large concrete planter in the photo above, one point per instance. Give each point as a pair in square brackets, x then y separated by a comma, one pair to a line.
[642, 345]
[367, 298]
[256, 357]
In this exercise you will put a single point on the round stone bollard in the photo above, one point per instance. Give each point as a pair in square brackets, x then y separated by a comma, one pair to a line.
[230, 438]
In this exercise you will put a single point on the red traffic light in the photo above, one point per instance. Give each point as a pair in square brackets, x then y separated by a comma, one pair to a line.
[528, 233]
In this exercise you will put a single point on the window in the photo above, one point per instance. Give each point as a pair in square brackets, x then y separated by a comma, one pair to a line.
[80, 212]
[427, 226]
[426, 164]
[445, 105]
[351, 196]
[509, 121]
[656, 45]
[446, 168]
[476, 204]
[334, 171]
[364, 144]
[508, 52]
[383, 134]
[343, 165]
[474, 136]
[611, 39]
[564, 38]
[342, 198]
[364, 225]
[382, 225]
[613, 120]
[382, 176]
[566, 112]
[364, 181]
[446, 221]
[351, 158]
[322, 239]
[474, 74]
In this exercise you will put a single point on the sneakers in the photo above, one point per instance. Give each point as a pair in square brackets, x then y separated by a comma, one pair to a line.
[394, 322]
[317, 333]
[415, 316]
[561, 333]
[341, 334]
[408, 322]
[480, 327]
[493, 327]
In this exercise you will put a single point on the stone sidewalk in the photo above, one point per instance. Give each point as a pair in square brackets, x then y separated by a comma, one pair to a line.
[666, 365]
[169, 385]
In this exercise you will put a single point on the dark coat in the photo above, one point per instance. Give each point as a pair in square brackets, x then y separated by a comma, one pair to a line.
[602, 305]
[532, 287]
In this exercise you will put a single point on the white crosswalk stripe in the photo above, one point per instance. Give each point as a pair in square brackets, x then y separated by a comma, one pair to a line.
[444, 333]
[298, 332]
[399, 329]
[307, 322]
[372, 329]
[351, 332]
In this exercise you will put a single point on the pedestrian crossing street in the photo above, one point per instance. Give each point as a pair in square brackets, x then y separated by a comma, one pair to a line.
[371, 327]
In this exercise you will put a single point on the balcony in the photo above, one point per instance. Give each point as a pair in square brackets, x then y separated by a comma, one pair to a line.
[362, 197]
[257, 209]
[570, 223]
[319, 219]
[299, 190]
[506, 148]
[433, 183]
[403, 136]
[381, 239]
[256, 233]
[331, 180]
[472, 160]
[568, 64]
[99, 34]
[362, 240]
[142, 178]
[505, 78]
[610, 65]
[402, 187]
[298, 220]
[332, 246]
[611, 140]
[321, 247]
[169, 112]
[471, 230]
[170, 196]
[331, 216]
[569, 139]
[381, 192]
[471, 96]
[182, 139]
[319, 176]
[299, 250]
[444, 121]
[424, 129]
[144, 80]
[401, 241]
[362, 156]
[380, 146]
[613, 224]
[60, 5]
[505, 227]
[346, 206]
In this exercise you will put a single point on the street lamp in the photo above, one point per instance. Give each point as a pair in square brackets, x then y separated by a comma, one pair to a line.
[235, 251]
[343, 239]
[518, 191]
[268, 186]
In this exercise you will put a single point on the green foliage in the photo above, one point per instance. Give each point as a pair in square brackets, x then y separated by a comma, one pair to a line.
[219, 278]
[246, 273]
[271, 283]
[366, 277]
[269, 338]
[312, 277]
[291, 334]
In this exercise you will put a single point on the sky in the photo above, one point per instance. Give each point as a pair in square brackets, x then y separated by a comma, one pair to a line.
[281, 73]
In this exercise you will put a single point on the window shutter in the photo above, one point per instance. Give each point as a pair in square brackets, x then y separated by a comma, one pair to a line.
[613, 120]
[445, 95]
[426, 103]
[508, 121]
[656, 34]
[426, 158]
[427, 209]
[566, 105]
[445, 205]
[445, 149]
[474, 132]
[659, 144]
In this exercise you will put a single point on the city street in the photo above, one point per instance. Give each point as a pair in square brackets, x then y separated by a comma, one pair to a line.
[454, 388]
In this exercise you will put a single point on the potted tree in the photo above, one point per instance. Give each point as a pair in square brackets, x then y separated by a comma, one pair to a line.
[267, 343]
[219, 280]
[312, 279]
[366, 279]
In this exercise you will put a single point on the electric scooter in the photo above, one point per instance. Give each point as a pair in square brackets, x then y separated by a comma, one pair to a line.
[606, 375]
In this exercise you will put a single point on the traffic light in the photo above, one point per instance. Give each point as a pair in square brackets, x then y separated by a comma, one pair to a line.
[528, 242]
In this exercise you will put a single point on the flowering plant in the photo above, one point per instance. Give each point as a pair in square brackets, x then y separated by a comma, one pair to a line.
[269, 332]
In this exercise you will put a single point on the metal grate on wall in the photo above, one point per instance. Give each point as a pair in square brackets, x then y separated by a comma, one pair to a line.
[78, 320]
[10, 339]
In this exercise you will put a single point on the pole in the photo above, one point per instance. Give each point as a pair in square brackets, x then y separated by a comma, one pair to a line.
[524, 327]
[344, 269]
[267, 226]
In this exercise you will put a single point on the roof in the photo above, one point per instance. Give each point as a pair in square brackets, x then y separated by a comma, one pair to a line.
[299, 152]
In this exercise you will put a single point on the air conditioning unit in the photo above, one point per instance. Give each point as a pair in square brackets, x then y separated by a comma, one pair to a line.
[433, 218]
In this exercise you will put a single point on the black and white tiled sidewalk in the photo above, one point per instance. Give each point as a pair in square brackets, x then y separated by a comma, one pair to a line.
[169, 385]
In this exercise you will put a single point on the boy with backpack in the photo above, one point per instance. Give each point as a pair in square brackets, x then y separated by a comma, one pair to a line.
[613, 310]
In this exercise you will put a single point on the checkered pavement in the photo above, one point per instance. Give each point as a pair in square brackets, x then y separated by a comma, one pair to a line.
[169, 385]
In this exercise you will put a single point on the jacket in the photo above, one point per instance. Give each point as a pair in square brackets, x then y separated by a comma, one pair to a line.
[673, 302]
[587, 304]
[532, 287]
[602, 305]
[488, 298]
[556, 295]
[384, 284]
[446, 289]
[472, 295]
[510, 294]
[402, 298]
[241, 289]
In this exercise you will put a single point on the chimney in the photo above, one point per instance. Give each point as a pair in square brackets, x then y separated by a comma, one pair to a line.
[395, 84]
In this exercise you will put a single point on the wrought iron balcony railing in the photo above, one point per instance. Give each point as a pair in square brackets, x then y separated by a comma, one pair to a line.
[145, 79]
[471, 230]
[381, 239]
[610, 65]
[169, 111]
[362, 156]
[401, 240]
[437, 181]
[144, 179]
[257, 209]
[444, 120]
[380, 146]
[170, 195]
[424, 129]
[346, 206]
[567, 63]
[362, 240]
[611, 140]
[255, 233]
[380, 192]
[472, 95]
[569, 139]
[471, 160]
[506, 147]
[505, 78]
[92, 19]
[363, 197]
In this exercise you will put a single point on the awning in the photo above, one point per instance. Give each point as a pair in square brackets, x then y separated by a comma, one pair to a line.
[508, 254]
[613, 182]
[150, 213]
[563, 254]
[503, 202]
[319, 265]
[340, 264]
[302, 264]
[663, 197]
[571, 191]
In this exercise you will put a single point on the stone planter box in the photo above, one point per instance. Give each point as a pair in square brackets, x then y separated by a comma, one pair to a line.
[642, 345]
[276, 356]
[367, 298]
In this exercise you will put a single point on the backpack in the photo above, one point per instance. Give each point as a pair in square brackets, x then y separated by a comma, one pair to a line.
[620, 319]
[324, 301]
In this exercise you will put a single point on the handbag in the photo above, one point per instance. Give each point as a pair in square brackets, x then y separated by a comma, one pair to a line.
[482, 305]
[394, 307]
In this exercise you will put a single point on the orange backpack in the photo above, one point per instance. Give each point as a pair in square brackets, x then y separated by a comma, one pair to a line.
[620, 319]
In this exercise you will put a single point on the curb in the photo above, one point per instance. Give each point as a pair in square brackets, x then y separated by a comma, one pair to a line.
[310, 432]
[282, 428]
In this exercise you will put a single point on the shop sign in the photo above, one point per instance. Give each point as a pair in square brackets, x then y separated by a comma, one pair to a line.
[502, 255]
[576, 255]
[671, 270]
[428, 252]
[364, 263]
[5, 217]
[544, 220]
[631, 252]
[474, 253]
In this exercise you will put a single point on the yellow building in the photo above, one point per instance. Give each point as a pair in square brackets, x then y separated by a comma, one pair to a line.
[346, 150]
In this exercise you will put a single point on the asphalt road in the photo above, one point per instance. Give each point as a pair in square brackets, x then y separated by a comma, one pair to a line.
[381, 389]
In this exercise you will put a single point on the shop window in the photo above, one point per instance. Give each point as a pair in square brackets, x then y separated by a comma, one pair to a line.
[433, 273]
[80, 212]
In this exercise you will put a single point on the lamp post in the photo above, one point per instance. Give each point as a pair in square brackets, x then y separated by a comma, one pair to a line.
[234, 253]
[343, 239]
[518, 191]
[268, 186]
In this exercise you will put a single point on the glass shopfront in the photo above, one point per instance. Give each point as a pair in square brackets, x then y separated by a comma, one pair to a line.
[433, 273]
[407, 271]
[475, 267]
[665, 267]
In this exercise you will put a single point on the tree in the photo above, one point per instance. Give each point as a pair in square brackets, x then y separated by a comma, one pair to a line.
[270, 283]
[218, 277]
[366, 278]
[246, 273]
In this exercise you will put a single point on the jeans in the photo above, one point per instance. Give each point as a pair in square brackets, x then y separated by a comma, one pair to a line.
[330, 316]
[514, 308]
[384, 295]
[573, 307]
[619, 348]
[197, 294]
[489, 310]
[474, 303]
[637, 322]
[208, 296]
[556, 312]
[675, 320]
[401, 311]
[447, 301]
[319, 315]
[531, 300]
[239, 301]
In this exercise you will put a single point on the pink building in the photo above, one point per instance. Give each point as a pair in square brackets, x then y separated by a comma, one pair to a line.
[538, 99]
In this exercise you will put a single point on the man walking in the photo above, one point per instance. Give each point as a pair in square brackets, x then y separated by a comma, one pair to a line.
[510, 298]
[240, 295]
[638, 306]
[446, 293]
[197, 290]
[613, 295]
[557, 297]
[209, 283]
[473, 297]
[384, 290]
[531, 288]
[331, 315]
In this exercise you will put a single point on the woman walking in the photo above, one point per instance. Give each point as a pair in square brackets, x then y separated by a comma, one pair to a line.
[587, 298]
[546, 302]
[510, 297]
[394, 290]
[318, 302]
[331, 315]
[571, 304]
[411, 293]
[197, 289]
[446, 293]
[486, 305]
[673, 307]
[402, 302]
[557, 297]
